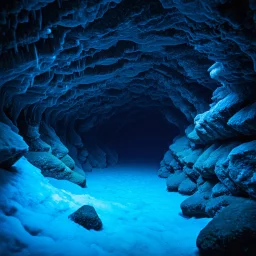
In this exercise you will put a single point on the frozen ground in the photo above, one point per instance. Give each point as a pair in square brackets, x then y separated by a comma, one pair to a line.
[138, 215]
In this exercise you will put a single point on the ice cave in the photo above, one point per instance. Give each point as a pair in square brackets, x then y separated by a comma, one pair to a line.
[127, 127]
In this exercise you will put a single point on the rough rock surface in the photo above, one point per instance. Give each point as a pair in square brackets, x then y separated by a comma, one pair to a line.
[174, 180]
[187, 187]
[67, 67]
[87, 217]
[232, 232]
[52, 167]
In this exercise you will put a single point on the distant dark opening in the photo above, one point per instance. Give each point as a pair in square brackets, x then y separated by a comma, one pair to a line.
[140, 136]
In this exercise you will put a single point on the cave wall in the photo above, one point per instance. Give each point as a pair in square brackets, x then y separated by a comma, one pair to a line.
[68, 66]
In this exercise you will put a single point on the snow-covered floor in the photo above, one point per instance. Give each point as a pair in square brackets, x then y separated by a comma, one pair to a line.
[139, 217]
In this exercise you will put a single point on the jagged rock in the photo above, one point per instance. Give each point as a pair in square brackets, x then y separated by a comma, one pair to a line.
[68, 161]
[187, 187]
[12, 146]
[51, 166]
[174, 180]
[87, 217]
[232, 232]
[241, 167]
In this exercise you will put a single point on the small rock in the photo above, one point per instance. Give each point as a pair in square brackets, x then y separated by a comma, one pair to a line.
[87, 217]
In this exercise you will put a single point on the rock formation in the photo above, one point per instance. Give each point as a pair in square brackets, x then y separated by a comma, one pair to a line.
[67, 67]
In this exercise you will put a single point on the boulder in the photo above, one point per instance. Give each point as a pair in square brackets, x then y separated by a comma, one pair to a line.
[12, 146]
[195, 205]
[87, 217]
[174, 180]
[217, 204]
[220, 190]
[232, 232]
[187, 187]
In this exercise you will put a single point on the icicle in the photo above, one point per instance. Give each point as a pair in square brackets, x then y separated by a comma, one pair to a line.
[32, 81]
[36, 55]
[27, 47]
[15, 42]
[59, 3]
[40, 19]
[34, 14]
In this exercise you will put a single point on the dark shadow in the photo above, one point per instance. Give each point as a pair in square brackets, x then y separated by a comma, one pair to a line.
[139, 137]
